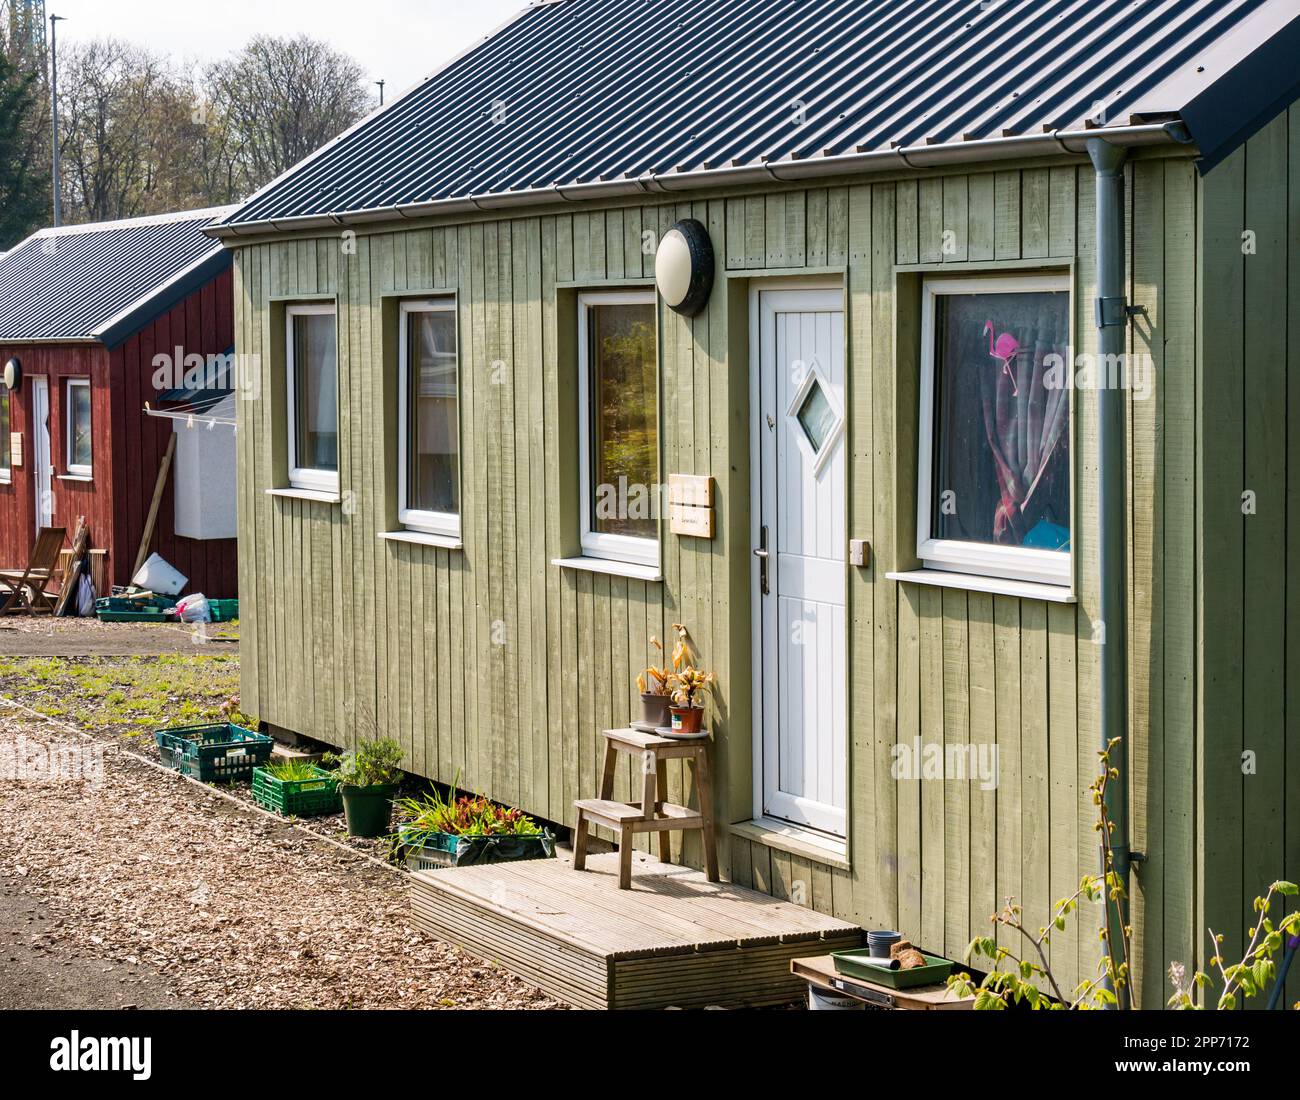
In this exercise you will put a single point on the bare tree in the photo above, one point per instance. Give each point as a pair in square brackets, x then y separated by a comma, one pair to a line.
[124, 113]
[280, 99]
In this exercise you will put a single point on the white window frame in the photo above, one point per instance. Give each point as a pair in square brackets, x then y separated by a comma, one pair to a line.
[76, 469]
[6, 444]
[304, 477]
[596, 544]
[414, 519]
[1018, 563]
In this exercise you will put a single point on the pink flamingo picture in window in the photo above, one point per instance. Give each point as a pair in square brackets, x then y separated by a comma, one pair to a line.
[1023, 431]
[1004, 349]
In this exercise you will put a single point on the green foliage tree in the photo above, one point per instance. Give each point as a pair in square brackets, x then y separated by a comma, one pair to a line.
[24, 183]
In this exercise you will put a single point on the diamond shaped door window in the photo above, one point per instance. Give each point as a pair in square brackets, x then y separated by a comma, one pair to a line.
[816, 417]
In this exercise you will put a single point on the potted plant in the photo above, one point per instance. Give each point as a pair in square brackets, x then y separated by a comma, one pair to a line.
[687, 684]
[367, 779]
[460, 830]
[652, 683]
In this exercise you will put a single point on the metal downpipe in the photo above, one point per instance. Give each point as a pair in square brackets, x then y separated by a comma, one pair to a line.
[1112, 460]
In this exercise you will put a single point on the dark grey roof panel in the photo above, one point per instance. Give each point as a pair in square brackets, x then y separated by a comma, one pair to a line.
[103, 281]
[583, 92]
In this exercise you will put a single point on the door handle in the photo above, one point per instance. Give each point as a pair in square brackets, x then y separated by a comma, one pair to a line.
[763, 556]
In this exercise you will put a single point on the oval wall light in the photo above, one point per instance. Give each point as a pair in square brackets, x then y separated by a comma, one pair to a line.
[13, 375]
[684, 268]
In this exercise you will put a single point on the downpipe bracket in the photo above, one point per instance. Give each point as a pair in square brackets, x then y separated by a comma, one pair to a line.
[1112, 312]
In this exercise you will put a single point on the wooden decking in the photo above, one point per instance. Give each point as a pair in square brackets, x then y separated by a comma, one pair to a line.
[674, 939]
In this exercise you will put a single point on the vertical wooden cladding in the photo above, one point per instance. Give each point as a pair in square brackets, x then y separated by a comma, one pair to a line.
[1247, 493]
[493, 665]
[202, 323]
[93, 499]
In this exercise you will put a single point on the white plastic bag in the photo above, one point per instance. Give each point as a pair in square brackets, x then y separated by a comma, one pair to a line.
[194, 609]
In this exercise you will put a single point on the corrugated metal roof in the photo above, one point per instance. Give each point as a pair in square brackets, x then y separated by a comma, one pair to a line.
[103, 281]
[602, 93]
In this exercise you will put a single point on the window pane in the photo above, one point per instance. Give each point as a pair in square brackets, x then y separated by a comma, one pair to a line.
[4, 426]
[625, 420]
[433, 426]
[315, 375]
[1001, 469]
[816, 417]
[79, 396]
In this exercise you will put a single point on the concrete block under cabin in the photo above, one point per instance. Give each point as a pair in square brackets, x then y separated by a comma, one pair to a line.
[105, 324]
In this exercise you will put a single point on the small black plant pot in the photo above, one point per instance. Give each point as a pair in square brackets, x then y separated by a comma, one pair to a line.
[368, 809]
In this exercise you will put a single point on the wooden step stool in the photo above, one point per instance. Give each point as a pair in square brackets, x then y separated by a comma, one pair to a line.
[652, 814]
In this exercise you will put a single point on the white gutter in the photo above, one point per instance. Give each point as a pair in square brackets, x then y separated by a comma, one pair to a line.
[909, 158]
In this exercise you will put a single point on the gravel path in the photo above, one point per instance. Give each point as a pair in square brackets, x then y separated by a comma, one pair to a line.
[166, 893]
[45, 636]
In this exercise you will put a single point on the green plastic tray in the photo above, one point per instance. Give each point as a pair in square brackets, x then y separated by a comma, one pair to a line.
[933, 972]
[133, 617]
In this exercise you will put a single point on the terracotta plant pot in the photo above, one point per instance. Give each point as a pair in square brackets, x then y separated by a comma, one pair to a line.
[687, 719]
[654, 710]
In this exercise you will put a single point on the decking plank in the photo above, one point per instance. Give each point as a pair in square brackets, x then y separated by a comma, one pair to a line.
[674, 939]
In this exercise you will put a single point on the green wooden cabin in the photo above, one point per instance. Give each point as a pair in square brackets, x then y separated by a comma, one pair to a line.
[462, 348]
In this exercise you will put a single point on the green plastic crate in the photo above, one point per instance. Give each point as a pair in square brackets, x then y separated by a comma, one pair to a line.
[122, 603]
[298, 797]
[220, 753]
[133, 617]
[851, 963]
[433, 851]
[223, 611]
[118, 609]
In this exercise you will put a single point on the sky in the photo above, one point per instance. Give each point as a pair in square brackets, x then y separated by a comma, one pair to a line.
[398, 41]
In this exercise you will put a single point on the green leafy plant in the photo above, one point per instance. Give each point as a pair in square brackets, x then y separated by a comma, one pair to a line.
[1255, 972]
[292, 771]
[372, 763]
[460, 815]
[1028, 978]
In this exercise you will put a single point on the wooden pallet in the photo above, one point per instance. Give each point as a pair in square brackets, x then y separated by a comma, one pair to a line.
[674, 939]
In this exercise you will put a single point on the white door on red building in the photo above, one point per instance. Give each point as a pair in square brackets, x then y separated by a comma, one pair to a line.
[800, 571]
[42, 460]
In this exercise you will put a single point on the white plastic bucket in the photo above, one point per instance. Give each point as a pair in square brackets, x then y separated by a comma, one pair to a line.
[156, 575]
[822, 1000]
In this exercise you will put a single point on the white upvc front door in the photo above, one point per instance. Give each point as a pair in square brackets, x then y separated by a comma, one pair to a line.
[42, 460]
[800, 558]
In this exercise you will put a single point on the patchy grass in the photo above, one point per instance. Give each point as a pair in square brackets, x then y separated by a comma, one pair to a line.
[131, 696]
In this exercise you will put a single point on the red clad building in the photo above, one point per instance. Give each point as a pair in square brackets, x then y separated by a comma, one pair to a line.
[118, 336]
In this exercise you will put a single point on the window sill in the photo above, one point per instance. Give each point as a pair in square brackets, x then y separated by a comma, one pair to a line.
[6, 478]
[318, 495]
[422, 538]
[611, 568]
[998, 586]
[83, 478]
[785, 837]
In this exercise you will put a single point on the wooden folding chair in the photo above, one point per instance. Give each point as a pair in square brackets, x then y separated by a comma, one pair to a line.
[23, 590]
